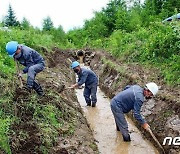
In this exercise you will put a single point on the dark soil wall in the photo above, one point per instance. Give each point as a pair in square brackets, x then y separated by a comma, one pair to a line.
[162, 113]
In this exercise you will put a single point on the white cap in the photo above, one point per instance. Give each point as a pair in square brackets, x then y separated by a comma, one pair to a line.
[152, 87]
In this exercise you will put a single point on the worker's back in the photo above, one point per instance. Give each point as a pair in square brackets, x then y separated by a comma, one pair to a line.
[29, 56]
[126, 98]
[88, 76]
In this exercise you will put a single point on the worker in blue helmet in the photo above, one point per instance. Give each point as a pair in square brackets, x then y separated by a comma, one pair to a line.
[91, 81]
[31, 59]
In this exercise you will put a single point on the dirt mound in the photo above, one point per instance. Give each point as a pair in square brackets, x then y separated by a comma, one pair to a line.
[58, 57]
[30, 144]
[24, 138]
[53, 123]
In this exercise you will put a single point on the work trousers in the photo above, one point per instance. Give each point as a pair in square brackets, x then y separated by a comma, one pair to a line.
[90, 93]
[120, 120]
[32, 71]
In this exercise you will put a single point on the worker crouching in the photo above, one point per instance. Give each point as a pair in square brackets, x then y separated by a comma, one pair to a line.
[33, 62]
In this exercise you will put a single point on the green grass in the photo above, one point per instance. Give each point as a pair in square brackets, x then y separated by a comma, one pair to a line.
[4, 129]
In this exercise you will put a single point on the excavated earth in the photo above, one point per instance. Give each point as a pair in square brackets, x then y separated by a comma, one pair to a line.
[75, 135]
[162, 113]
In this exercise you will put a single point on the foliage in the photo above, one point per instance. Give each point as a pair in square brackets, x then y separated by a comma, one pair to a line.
[47, 24]
[136, 34]
[4, 128]
[10, 19]
[25, 24]
[170, 7]
[110, 13]
[131, 34]
[157, 46]
[96, 28]
[6, 112]
[77, 37]
[59, 36]
[36, 39]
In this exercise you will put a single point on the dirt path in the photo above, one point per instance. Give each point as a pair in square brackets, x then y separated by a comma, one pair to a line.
[110, 141]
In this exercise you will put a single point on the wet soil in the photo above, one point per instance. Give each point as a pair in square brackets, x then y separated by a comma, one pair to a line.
[162, 113]
[109, 140]
[74, 136]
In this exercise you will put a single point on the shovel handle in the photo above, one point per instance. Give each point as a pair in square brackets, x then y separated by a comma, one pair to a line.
[155, 139]
[68, 88]
[18, 70]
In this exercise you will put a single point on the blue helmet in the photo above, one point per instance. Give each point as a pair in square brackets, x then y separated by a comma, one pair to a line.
[74, 64]
[11, 47]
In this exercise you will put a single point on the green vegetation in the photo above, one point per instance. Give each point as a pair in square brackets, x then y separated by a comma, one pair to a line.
[49, 122]
[10, 19]
[136, 34]
[48, 116]
[131, 34]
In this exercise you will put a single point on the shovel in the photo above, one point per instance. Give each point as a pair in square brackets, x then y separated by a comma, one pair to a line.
[155, 139]
[63, 88]
[18, 71]
[68, 88]
[21, 86]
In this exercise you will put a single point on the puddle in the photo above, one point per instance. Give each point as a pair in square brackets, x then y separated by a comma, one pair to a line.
[102, 123]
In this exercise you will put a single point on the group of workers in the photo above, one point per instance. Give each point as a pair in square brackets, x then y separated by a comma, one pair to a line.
[131, 98]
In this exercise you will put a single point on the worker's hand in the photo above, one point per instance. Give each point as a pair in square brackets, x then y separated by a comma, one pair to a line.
[20, 75]
[73, 86]
[145, 126]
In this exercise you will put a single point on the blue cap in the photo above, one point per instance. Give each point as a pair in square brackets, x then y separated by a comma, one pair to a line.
[74, 64]
[11, 47]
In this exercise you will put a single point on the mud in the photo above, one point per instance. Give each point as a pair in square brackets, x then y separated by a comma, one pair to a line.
[27, 135]
[102, 123]
[75, 135]
[160, 112]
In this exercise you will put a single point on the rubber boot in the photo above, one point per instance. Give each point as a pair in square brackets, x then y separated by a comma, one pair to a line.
[89, 104]
[117, 128]
[126, 138]
[93, 104]
[27, 89]
[37, 87]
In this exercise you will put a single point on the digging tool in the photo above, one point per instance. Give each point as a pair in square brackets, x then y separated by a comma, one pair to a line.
[18, 71]
[63, 88]
[68, 88]
[155, 139]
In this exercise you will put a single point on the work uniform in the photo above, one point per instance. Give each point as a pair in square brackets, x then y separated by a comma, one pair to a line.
[131, 98]
[91, 81]
[33, 62]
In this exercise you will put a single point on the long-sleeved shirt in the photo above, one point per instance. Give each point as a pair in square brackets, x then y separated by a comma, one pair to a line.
[131, 98]
[29, 57]
[87, 76]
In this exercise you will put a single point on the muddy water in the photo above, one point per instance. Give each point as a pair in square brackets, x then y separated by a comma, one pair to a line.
[102, 123]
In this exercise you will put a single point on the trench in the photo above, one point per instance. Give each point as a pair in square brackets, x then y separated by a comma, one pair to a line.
[109, 141]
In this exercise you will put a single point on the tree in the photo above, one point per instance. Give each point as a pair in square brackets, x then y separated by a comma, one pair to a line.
[154, 6]
[77, 36]
[121, 19]
[111, 13]
[170, 7]
[47, 24]
[58, 34]
[96, 28]
[25, 24]
[10, 19]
